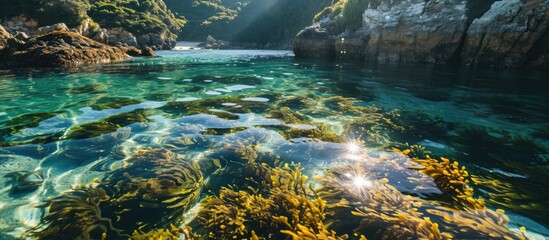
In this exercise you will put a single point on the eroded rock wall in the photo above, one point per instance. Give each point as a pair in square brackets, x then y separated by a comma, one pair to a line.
[486, 33]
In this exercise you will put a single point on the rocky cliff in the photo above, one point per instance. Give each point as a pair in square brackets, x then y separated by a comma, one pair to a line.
[487, 33]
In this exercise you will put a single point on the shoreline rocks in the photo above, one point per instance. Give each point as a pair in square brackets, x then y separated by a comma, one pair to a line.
[505, 33]
[212, 43]
[23, 26]
[63, 49]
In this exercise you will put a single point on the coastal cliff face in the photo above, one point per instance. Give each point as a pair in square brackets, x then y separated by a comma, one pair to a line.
[506, 33]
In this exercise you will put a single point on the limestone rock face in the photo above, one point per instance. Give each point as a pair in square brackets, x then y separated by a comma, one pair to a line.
[65, 49]
[414, 31]
[512, 33]
[486, 33]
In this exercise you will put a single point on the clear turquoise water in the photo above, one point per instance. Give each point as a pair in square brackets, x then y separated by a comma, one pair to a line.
[70, 127]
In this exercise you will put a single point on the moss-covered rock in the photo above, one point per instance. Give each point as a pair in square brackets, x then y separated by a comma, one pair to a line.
[65, 49]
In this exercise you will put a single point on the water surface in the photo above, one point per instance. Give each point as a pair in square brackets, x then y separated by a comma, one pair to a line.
[63, 128]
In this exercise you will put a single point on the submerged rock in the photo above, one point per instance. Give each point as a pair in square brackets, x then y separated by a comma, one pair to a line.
[66, 49]
[507, 33]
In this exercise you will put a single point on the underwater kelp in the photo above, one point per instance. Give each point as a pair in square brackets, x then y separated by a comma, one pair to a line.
[21, 122]
[173, 233]
[90, 88]
[372, 207]
[25, 181]
[112, 103]
[514, 155]
[453, 180]
[521, 195]
[512, 152]
[179, 109]
[281, 208]
[152, 191]
[76, 215]
[287, 115]
[297, 102]
[386, 129]
[344, 105]
[107, 125]
[249, 80]
[320, 133]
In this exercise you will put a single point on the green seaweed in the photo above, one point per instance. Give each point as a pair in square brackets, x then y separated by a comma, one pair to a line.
[152, 191]
[90, 88]
[113, 103]
[107, 125]
[287, 115]
[24, 181]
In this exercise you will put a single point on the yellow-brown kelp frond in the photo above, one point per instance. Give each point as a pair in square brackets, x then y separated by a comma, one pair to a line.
[319, 132]
[76, 215]
[389, 128]
[476, 224]
[152, 191]
[373, 208]
[287, 209]
[297, 102]
[520, 196]
[304, 233]
[173, 233]
[286, 115]
[453, 181]
[344, 105]
[357, 202]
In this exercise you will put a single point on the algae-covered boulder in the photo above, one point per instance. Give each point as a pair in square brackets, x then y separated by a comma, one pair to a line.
[66, 49]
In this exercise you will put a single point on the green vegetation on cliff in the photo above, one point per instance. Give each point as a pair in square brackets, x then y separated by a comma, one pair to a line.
[136, 16]
[47, 12]
[346, 13]
[204, 14]
[255, 22]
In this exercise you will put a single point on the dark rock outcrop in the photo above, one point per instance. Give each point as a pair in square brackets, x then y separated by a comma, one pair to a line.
[119, 36]
[212, 43]
[512, 33]
[65, 49]
[487, 33]
[315, 41]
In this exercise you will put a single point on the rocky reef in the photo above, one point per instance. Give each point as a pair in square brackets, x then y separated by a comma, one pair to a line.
[506, 33]
[61, 49]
